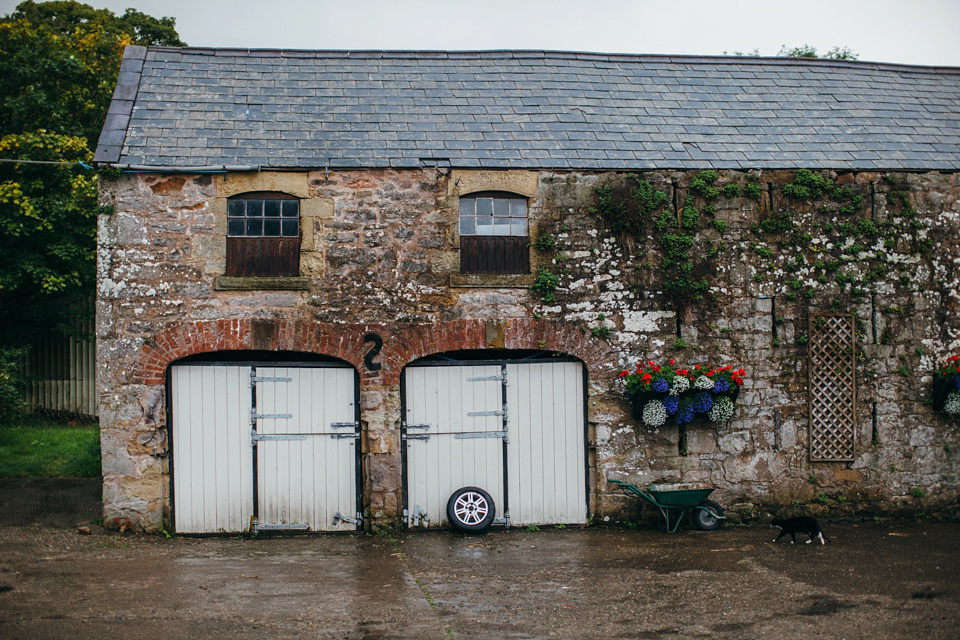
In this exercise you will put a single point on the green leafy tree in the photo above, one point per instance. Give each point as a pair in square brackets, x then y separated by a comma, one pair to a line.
[58, 67]
[806, 51]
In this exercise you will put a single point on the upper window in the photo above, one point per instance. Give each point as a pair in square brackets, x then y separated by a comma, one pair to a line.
[263, 235]
[493, 233]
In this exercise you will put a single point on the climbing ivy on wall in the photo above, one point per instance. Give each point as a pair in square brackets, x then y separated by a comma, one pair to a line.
[635, 209]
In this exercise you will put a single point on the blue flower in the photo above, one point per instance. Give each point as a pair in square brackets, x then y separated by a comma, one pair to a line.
[661, 385]
[721, 386]
[685, 416]
[702, 402]
[671, 404]
[958, 383]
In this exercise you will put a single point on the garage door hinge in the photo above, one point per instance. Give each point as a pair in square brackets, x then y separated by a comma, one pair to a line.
[338, 518]
[255, 379]
[482, 434]
[416, 436]
[268, 436]
[269, 416]
[343, 425]
[417, 425]
[486, 413]
[341, 436]
[502, 377]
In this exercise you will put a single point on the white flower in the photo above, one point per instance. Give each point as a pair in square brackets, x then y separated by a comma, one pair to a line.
[952, 405]
[722, 409]
[654, 415]
[703, 383]
[680, 384]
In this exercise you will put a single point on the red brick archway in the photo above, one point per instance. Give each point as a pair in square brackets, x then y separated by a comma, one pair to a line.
[402, 344]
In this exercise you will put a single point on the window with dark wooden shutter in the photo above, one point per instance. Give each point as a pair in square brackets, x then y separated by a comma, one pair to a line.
[263, 235]
[493, 234]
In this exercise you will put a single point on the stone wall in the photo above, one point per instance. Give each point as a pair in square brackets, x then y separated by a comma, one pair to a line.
[380, 254]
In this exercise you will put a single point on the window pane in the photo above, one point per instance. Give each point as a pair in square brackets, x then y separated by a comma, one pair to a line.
[235, 227]
[518, 227]
[271, 208]
[484, 206]
[254, 208]
[468, 226]
[254, 226]
[501, 226]
[501, 207]
[271, 227]
[235, 208]
[468, 206]
[291, 208]
[518, 208]
[484, 226]
[291, 228]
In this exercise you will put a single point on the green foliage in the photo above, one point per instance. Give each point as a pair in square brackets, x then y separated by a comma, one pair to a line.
[680, 343]
[11, 384]
[720, 225]
[545, 283]
[918, 493]
[802, 340]
[806, 185]
[730, 191]
[45, 449]
[58, 67]
[702, 185]
[807, 51]
[689, 217]
[545, 243]
[627, 206]
[753, 190]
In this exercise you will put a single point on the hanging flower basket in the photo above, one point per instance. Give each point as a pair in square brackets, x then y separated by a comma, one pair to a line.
[946, 387]
[660, 394]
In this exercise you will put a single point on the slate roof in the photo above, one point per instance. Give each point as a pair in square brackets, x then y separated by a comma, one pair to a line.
[182, 108]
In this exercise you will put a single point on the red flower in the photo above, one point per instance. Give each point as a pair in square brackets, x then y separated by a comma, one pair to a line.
[682, 372]
[624, 373]
[741, 372]
[646, 377]
[671, 360]
[709, 374]
[738, 381]
[953, 358]
[656, 368]
[697, 367]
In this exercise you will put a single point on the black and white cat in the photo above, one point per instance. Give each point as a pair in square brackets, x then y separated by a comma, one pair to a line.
[800, 524]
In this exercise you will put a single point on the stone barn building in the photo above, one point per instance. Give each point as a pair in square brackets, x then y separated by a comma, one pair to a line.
[342, 289]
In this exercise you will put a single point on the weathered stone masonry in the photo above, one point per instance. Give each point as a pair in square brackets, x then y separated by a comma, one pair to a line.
[379, 254]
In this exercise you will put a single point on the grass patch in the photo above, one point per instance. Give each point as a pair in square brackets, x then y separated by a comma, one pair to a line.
[49, 449]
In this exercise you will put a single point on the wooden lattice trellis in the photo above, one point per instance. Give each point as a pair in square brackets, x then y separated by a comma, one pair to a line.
[833, 388]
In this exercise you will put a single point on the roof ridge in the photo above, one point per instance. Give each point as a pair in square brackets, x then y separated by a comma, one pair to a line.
[461, 54]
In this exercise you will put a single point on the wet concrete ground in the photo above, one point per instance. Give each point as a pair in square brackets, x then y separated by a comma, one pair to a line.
[877, 581]
[874, 581]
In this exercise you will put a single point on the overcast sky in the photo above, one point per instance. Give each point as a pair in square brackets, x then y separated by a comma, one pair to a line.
[906, 31]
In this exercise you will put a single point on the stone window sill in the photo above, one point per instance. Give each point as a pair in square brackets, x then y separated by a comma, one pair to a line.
[492, 280]
[290, 283]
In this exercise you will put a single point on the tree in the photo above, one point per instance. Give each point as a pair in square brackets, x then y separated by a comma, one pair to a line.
[58, 67]
[806, 51]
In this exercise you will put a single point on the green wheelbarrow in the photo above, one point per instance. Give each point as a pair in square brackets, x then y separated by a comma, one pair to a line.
[678, 500]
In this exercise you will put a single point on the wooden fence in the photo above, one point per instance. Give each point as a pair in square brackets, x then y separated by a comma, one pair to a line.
[61, 371]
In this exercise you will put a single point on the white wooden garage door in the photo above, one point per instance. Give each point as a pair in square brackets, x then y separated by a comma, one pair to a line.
[513, 426]
[264, 448]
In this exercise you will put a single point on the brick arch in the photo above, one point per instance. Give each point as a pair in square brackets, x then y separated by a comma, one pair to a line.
[191, 338]
[518, 333]
[402, 344]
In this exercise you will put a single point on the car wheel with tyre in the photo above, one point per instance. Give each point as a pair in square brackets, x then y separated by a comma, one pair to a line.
[470, 509]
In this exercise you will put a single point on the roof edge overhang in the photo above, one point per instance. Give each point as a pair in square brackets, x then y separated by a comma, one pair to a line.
[550, 53]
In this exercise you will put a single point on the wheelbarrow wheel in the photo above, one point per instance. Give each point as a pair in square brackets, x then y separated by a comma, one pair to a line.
[704, 520]
[470, 509]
